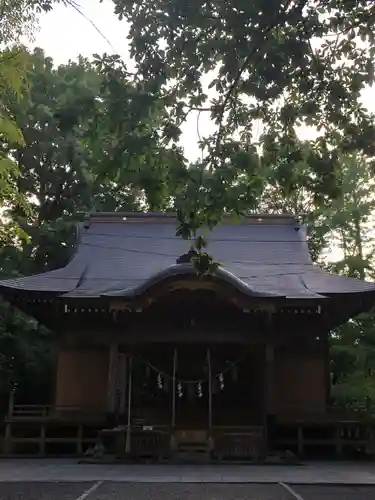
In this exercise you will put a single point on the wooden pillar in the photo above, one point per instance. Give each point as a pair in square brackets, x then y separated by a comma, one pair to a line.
[270, 391]
[327, 366]
[301, 444]
[11, 403]
[270, 379]
[370, 439]
[122, 382]
[8, 427]
[174, 389]
[112, 377]
[8, 448]
[209, 390]
[339, 430]
[42, 442]
[128, 427]
[79, 448]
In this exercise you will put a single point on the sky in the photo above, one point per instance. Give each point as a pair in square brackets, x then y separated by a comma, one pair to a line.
[64, 34]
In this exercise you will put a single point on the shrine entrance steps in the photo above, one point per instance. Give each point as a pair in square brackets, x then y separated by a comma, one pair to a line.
[198, 446]
[192, 453]
[191, 446]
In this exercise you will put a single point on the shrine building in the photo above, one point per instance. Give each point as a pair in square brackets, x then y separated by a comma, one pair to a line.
[234, 364]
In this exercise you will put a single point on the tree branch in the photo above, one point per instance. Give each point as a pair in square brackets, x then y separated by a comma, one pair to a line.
[238, 77]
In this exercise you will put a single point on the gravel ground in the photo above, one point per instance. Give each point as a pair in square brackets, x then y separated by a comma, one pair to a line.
[179, 491]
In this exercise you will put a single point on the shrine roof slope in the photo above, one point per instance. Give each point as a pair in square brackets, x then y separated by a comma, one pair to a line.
[125, 254]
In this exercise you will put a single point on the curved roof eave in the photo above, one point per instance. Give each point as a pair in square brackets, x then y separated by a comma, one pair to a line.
[188, 269]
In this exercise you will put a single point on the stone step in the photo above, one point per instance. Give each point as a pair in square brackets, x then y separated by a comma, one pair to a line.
[192, 449]
[190, 456]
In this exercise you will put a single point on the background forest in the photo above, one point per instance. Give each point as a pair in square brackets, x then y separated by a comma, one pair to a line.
[93, 135]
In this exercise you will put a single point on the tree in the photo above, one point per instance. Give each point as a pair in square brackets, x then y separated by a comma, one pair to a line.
[18, 19]
[20, 342]
[353, 361]
[349, 222]
[133, 139]
[287, 63]
[92, 140]
[51, 164]
[351, 217]
[26, 357]
[292, 189]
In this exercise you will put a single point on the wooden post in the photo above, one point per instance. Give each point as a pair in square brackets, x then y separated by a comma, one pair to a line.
[42, 442]
[301, 447]
[338, 440]
[174, 389]
[128, 428]
[327, 365]
[11, 403]
[270, 378]
[371, 440]
[269, 402]
[112, 377]
[80, 439]
[8, 439]
[209, 390]
[8, 428]
[122, 382]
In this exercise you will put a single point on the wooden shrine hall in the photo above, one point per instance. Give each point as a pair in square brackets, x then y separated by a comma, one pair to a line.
[163, 363]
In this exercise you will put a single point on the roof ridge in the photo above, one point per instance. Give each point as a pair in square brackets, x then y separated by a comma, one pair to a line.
[259, 218]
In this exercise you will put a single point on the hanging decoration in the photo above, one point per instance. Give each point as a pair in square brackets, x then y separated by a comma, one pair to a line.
[199, 390]
[194, 388]
[221, 380]
[160, 381]
[179, 390]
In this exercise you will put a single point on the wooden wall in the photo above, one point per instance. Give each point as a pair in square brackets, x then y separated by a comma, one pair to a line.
[300, 384]
[82, 378]
[297, 384]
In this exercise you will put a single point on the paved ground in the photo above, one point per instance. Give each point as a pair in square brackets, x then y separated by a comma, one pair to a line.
[69, 470]
[67, 480]
[180, 491]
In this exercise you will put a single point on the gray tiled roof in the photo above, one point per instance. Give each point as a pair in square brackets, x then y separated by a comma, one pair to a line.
[123, 255]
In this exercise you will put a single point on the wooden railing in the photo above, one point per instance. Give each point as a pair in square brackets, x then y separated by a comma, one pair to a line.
[26, 411]
[357, 407]
[35, 412]
[335, 413]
